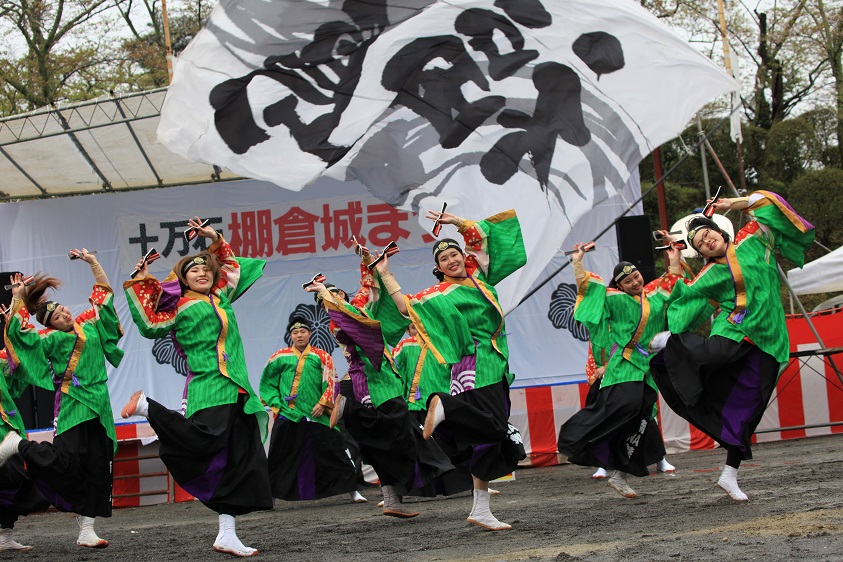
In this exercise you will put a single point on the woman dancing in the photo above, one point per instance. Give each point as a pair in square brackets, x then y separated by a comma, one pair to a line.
[722, 384]
[374, 412]
[73, 472]
[462, 324]
[214, 448]
[617, 430]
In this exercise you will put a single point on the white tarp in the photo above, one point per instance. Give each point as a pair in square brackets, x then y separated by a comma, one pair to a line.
[823, 275]
[36, 235]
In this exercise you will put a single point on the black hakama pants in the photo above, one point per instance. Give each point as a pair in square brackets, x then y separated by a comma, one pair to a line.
[216, 455]
[388, 442]
[452, 482]
[74, 472]
[720, 386]
[478, 420]
[615, 430]
[18, 493]
[309, 461]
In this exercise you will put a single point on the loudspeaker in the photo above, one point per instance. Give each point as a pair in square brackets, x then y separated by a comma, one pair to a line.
[35, 405]
[635, 244]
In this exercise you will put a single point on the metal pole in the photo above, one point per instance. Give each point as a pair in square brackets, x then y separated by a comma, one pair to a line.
[721, 168]
[168, 46]
[704, 162]
[784, 279]
[657, 168]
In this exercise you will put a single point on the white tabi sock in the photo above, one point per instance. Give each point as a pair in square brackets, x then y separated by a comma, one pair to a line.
[87, 536]
[9, 446]
[7, 543]
[664, 466]
[435, 416]
[136, 406]
[357, 497]
[481, 513]
[227, 540]
[729, 482]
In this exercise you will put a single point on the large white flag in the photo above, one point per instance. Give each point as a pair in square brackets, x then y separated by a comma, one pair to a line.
[539, 105]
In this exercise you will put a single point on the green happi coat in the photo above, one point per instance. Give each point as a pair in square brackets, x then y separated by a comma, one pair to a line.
[461, 317]
[205, 327]
[745, 282]
[74, 360]
[623, 325]
[12, 386]
[368, 312]
[421, 372]
[294, 381]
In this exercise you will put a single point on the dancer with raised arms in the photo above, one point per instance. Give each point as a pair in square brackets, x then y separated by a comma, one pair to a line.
[214, 446]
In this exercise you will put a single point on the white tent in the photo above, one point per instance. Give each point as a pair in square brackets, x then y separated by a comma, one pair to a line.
[823, 275]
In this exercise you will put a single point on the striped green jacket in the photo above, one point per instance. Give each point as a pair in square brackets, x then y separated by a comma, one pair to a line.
[623, 325]
[461, 317]
[745, 283]
[205, 328]
[71, 362]
[12, 386]
[421, 372]
[294, 381]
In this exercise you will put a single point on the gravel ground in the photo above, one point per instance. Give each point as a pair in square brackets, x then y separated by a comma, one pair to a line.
[558, 514]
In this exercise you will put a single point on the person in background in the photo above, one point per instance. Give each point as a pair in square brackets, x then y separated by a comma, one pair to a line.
[307, 459]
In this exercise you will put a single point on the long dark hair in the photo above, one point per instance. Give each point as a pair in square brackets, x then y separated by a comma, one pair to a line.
[34, 298]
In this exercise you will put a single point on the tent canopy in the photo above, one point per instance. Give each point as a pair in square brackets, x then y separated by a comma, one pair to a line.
[823, 275]
[102, 145]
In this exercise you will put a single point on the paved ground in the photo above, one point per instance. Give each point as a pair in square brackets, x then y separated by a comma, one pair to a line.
[559, 514]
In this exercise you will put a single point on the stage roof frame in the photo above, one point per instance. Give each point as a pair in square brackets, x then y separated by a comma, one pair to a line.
[97, 146]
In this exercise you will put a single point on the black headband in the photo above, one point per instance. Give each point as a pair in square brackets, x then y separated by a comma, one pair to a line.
[445, 244]
[627, 270]
[698, 223]
[198, 260]
[297, 325]
[49, 308]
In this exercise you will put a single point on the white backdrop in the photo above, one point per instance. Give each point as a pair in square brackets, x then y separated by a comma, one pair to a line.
[36, 235]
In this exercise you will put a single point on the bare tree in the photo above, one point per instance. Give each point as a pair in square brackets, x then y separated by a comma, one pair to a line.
[824, 29]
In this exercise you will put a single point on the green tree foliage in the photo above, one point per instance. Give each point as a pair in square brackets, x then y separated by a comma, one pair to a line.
[143, 60]
[53, 50]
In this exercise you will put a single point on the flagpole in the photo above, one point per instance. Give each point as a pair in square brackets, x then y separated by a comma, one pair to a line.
[727, 59]
[706, 182]
[657, 169]
[168, 46]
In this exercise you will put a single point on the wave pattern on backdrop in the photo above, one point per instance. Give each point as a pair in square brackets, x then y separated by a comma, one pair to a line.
[544, 106]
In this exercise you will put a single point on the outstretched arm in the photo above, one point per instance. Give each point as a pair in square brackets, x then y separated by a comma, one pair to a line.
[391, 285]
[99, 274]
